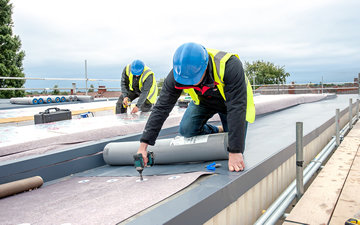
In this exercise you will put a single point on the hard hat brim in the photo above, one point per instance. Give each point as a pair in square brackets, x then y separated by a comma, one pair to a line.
[136, 72]
[189, 80]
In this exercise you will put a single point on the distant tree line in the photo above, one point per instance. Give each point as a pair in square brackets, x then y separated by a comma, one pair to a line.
[265, 72]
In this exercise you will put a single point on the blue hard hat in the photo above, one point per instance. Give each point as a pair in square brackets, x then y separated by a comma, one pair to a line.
[189, 63]
[137, 67]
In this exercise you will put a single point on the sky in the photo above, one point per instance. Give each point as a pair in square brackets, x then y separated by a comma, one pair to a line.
[313, 40]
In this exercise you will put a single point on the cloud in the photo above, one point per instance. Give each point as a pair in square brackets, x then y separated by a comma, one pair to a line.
[305, 36]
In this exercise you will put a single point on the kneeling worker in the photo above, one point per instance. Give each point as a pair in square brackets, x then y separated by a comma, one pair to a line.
[216, 83]
[137, 80]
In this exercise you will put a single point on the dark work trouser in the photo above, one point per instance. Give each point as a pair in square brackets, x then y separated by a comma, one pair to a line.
[195, 118]
[146, 107]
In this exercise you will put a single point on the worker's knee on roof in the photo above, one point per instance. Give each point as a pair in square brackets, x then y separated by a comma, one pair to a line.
[185, 132]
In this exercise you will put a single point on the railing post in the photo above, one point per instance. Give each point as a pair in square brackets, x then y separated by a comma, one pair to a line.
[254, 84]
[86, 78]
[357, 109]
[278, 86]
[337, 127]
[350, 114]
[359, 83]
[299, 161]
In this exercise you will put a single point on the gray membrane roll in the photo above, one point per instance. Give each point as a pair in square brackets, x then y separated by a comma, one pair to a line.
[54, 98]
[47, 99]
[25, 101]
[85, 98]
[20, 186]
[174, 150]
[62, 98]
[69, 98]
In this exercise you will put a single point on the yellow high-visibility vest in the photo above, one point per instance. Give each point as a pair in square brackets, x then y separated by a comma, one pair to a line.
[153, 93]
[219, 59]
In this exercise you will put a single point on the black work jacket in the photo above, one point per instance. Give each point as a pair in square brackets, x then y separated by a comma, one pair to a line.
[234, 107]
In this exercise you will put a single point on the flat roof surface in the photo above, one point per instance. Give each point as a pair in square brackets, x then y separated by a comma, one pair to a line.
[267, 144]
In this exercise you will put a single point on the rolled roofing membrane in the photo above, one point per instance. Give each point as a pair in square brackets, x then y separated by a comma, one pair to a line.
[47, 99]
[24, 101]
[62, 98]
[40, 100]
[69, 98]
[54, 98]
[172, 150]
[85, 98]
[20, 186]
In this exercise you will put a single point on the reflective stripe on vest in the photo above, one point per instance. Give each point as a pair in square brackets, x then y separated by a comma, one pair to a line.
[219, 59]
[146, 73]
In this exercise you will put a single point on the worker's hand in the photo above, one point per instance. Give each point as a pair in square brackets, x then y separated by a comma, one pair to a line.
[236, 162]
[135, 110]
[125, 101]
[143, 151]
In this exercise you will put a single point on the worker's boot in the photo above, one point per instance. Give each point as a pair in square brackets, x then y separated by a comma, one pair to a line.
[221, 129]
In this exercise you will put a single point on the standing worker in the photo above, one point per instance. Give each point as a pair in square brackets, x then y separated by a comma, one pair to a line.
[137, 80]
[216, 83]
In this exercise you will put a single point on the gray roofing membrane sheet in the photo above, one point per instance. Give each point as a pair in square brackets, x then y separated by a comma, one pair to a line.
[270, 141]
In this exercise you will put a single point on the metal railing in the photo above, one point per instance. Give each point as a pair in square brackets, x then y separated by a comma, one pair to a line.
[58, 88]
[333, 87]
[277, 209]
[257, 88]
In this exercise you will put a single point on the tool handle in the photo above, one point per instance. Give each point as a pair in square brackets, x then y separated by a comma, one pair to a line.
[139, 161]
[151, 159]
[352, 221]
[127, 104]
[47, 111]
